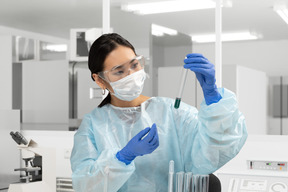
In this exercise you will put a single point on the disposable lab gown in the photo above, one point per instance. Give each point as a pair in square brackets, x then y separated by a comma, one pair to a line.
[200, 142]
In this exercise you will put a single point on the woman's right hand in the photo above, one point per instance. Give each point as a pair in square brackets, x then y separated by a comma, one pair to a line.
[139, 145]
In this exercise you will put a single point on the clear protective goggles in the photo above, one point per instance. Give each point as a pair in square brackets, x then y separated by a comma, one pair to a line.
[120, 71]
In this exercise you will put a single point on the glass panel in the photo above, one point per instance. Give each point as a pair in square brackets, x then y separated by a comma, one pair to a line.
[23, 49]
[52, 51]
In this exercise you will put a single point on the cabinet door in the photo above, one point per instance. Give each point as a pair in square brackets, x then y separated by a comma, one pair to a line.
[285, 106]
[45, 92]
[278, 105]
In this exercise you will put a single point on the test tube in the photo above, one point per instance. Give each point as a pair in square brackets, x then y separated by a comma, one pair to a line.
[179, 181]
[106, 171]
[204, 183]
[187, 182]
[170, 176]
[195, 183]
[200, 183]
[181, 88]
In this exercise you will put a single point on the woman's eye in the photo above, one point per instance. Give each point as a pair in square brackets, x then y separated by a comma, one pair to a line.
[118, 72]
[134, 65]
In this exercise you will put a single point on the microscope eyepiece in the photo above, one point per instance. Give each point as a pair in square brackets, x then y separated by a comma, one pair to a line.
[18, 138]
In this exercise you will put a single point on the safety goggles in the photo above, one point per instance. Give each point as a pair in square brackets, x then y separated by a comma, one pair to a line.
[120, 71]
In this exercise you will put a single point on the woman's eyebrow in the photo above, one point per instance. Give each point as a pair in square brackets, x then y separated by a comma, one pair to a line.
[132, 60]
[117, 67]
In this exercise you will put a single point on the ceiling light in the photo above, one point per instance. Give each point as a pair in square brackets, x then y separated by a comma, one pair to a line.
[282, 11]
[56, 48]
[236, 36]
[168, 6]
[158, 30]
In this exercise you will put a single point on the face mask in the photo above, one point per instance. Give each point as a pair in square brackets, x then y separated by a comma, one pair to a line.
[129, 87]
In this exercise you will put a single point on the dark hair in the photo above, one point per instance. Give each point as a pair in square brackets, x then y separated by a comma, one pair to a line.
[98, 52]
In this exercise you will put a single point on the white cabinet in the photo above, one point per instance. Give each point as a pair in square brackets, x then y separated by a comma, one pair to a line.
[250, 87]
[45, 92]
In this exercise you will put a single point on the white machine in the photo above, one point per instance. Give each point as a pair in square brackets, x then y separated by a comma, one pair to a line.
[261, 166]
[266, 176]
[39, 168]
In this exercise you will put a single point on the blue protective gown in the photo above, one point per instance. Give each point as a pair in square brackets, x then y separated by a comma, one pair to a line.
[200, 142]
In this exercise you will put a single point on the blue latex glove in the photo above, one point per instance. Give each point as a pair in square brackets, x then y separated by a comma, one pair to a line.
[205, 73]
[139, 145]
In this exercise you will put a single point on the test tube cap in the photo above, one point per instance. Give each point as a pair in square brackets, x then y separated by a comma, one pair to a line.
[177, 103]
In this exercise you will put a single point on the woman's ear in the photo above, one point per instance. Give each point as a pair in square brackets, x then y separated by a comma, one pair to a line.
[99, 81]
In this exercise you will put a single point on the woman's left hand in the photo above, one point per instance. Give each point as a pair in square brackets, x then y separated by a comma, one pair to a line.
[205, 73]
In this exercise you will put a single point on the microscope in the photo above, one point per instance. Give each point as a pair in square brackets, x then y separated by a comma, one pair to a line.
[33, 163]
[39, 167]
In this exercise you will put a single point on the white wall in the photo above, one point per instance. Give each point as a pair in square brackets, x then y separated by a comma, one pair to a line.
[169, 79]
[147, 90]
[10, 155]
[6, 72]
[267, 56]
[174, 56]
[229, 77]
[252, 94]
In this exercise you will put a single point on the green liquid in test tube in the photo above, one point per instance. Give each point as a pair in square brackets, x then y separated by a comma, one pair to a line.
[183, 80]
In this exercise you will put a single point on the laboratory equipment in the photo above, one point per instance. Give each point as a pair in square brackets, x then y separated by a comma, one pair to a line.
[200, 183]
[18, 138]
[204, 183]
[257, 182]
[179, 181]
[267, 165]
[170, 176]
[181, 88]
[260, 166]
[187, 182]
[36, 160]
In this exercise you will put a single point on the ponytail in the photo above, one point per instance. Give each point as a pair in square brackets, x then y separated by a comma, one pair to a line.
[105, 101]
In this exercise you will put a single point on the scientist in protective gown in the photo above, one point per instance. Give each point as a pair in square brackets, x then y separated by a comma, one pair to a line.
[125, 144]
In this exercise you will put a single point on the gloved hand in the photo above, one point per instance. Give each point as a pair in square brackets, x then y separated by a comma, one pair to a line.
[205, 73]
[139, 146]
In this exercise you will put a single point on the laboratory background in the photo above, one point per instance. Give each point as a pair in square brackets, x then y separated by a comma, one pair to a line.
[46, 88]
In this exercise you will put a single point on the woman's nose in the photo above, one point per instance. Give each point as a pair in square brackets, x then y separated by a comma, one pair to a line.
[129, 72]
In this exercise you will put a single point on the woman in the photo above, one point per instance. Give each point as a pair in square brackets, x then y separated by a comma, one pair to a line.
[116, 150]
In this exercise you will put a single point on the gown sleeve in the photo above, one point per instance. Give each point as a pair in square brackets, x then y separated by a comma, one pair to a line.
[211, 137]
[91, 168]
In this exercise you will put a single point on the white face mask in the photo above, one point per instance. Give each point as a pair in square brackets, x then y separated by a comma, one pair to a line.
[129, 87]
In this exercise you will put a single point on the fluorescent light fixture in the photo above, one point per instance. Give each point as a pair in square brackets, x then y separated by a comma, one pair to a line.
[56, 48]
[158, 30]
[236, 36]
[168, 6]
[282, 11]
